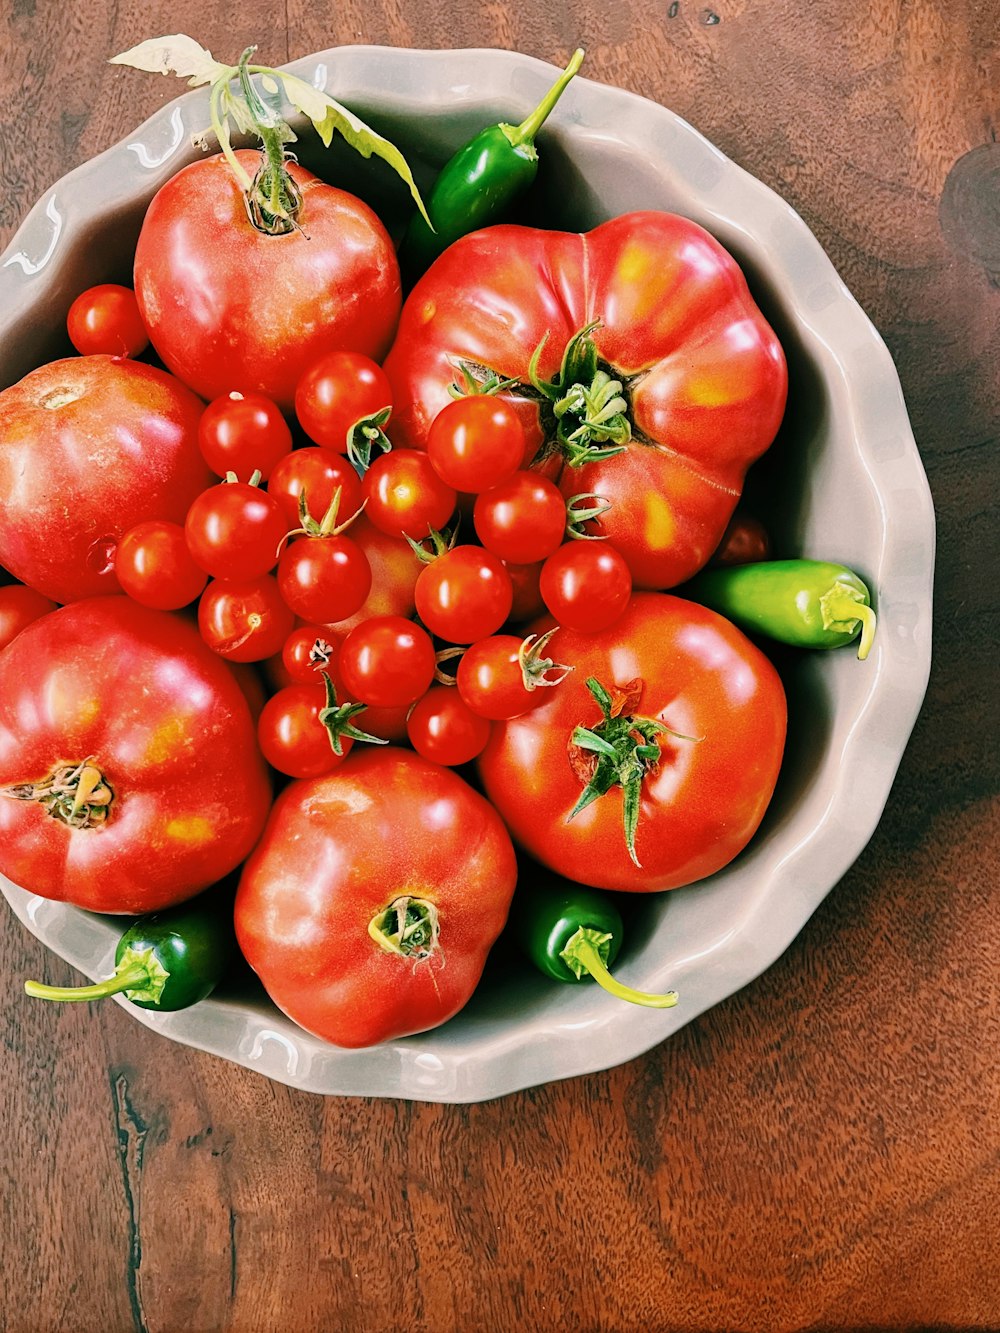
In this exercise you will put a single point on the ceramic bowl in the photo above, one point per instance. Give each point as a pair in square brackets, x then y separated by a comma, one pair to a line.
[843, 481]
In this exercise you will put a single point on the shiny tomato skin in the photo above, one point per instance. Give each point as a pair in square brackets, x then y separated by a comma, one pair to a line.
[337, 392]
[137, 693]
[585, 584]
[405, 496]
[19, 607]
[443, 728]
[244, 620]
[243, 433]
[705, 799]
[309, 650]
[387, 662]
[320, 473]
[105, 321]
[324, 579]
[233, 531]
[292, 738]
[490, 681]
[476, 442]
[522, 518]
[89, 447]
[228, 307]
[464, 594]
[395, 570]
[155, 567]
[705, 377]
[340, 849]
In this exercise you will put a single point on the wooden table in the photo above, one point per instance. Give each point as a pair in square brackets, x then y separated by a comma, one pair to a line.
[822, 1151]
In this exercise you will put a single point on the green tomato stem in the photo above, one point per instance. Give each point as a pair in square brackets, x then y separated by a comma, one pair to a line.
[582, 950]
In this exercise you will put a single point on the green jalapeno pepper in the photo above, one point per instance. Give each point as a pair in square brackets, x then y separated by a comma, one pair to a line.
[806, 603]
[166, 961]
[571, 933]
[478, 184]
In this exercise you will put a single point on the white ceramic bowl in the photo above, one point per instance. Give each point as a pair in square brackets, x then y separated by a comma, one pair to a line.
[843, 482]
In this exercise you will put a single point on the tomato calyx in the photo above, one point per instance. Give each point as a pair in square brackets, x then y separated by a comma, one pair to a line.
[441, 542]
[480, 381]
[578, 513]
[365, 435]
[327, 526]
[587, 403]
[409, 927]
[534, 667]
[78, 795]
[337, 719]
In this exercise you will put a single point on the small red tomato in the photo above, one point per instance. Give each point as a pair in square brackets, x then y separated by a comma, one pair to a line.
[464, 594]
[395, 570]
[387, 662]
[324, 579]
[307, 651]
[243, 433]
[244, 620]
[528, 602]
[337, 393]
[292, 737]
[744, 542]
[475, 443]
[586, 585]
[106, 320]
[233, 531]
[406, 497]
[19, 606]
[318, 472]
[442, 727]
[155, 567]
[504, 676]
[523, 519]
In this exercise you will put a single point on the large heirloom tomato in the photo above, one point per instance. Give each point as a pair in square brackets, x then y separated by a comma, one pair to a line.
[372, 900]
[230, 307]
[676, 366]
[683, 728]
[89, 447]
[129, 772]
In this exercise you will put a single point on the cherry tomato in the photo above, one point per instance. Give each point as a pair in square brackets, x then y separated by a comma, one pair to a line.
[744, 542]
[527, 596]
[443, 728]
[586, 585]
[19, 606]
[523, 519]
[233, 531]
[243, 433]
[318, 472]
[491, 678]
[155, 567]
[475, 443]
[406, 497]
[106, 320]
[395, 570]
[244, 620]
[324, 579]
[307, 651]
[293, 739]
[387, 661]
[464, 594]
[337, 392]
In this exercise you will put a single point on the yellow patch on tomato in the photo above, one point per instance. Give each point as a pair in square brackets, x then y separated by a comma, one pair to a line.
[166, 739]
[190, 829]
[711, 390]
[660, 524]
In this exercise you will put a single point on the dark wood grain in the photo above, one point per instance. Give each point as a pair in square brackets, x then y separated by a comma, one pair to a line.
[822, 1151]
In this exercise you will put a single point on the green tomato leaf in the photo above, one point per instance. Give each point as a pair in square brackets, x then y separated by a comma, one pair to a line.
[179, 54]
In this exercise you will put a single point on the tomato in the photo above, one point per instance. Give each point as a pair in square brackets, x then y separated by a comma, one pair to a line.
[586, 584]
[243, 433]
[464, 594]
[681, 679]
[701, 375]
[476, 442]
[324, 579]
[155, 567]
[395, 570]
[233, 531]
[374, 895]
[105, 320]
[89, 447]
[292, 736]
[307, 651]
[19, 606]
[229, 307]
[387, 662]
[336, 393]
[503, 676]
[523, 519]
[244, 620]
[405, 496]
[443, 728]
[137, 783]
[527, 595]
[744, 542]
[320, 473]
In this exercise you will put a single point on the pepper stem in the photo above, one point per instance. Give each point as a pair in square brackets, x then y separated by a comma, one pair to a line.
[524, 134]
[583, 950]
[843, 609]
[139, 974]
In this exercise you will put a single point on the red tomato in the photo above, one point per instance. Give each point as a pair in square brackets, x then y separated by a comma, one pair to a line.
[476, 442]
[702, 375]
[138, 781]
[233, 531]
[441, 727]
[523, 519]
[371, 902]
[464, 594]
[244, 620]
[500, 677]
[307, 651]
[19, 606]
[405, 496]
[155, 567]
[337, 392]
[744, 542]
[293, 739]
[586, 584]
[105, 321]
[324, 579]
[320, 473]
[527, 596]
[89, 447]
[395, 570]
[387, 662]
[243, 433]
[228, 307]
[666, 663]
